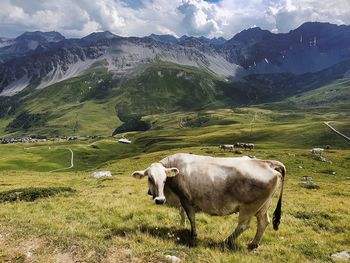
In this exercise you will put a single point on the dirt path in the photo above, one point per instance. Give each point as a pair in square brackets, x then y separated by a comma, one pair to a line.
[333, 129]
[71, 162]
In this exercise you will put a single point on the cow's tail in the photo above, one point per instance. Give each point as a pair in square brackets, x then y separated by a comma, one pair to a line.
[279, 167]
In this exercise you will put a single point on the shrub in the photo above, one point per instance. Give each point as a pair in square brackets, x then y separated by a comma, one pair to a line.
[30, 194]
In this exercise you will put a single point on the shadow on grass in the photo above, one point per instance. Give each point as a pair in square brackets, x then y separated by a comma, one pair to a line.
[30, 194]
[179, 236]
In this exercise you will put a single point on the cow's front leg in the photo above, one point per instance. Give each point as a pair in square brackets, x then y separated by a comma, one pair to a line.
[191, 217]
[183, 216]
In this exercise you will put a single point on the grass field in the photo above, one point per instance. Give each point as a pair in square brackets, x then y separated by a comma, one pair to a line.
[113, 219]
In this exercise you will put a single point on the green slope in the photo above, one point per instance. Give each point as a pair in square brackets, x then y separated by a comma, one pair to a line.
[89, 104]
[333, 97]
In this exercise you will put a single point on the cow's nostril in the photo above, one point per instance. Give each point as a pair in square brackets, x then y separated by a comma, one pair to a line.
[160, 201]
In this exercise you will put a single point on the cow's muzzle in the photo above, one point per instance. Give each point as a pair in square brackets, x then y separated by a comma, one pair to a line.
[160, 200]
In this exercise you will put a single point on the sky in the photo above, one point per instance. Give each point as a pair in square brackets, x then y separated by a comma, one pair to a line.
[209, 18]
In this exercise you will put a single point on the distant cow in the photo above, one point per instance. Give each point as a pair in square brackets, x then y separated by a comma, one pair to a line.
[226, 147]
[244, 146]
[317, 151]
[249, 146]
[239, 145]
[219, 186]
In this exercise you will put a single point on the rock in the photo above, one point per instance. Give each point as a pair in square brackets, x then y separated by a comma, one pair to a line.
[343, 255]
[100, 174]
[307, 178]
[300, 167]
[172, 259]
[124, 140]
[333, 172]
[29, 254]
[291, 154]
[322, 159]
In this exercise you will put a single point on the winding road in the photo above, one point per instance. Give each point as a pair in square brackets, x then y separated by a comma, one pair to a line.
[71, 162]
[333, 129]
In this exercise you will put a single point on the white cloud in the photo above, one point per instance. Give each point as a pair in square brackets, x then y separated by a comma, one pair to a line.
[200, 18]
[178, 17]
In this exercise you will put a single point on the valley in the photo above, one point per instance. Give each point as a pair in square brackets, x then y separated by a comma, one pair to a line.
[113, 218]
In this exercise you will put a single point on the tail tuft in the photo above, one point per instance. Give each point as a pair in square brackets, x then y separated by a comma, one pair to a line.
[277, 215]
[278, 211]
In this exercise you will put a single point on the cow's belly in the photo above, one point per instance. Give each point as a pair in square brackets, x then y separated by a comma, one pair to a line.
[217, 208]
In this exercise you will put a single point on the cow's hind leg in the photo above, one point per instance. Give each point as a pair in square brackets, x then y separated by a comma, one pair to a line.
[243, 224]
[262, 221]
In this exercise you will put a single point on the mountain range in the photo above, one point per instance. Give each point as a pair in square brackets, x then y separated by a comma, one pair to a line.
[44, 58]
[254, 66]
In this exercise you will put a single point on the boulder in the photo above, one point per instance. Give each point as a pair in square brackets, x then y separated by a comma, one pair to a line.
[173, 259]
[343, 255]
[100, 174]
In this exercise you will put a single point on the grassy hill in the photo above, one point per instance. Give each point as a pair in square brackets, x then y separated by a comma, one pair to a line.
[208, 128]
[89, 104]
[333, 97]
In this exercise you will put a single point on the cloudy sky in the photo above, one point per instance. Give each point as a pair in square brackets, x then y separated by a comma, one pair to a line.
[210, 18]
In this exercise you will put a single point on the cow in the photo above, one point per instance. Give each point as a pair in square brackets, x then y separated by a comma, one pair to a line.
[227, 147]
[249, 146]
[239, 145]
[219, 186]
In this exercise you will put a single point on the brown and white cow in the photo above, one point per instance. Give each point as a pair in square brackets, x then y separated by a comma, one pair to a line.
[227, 147]
[218, 186]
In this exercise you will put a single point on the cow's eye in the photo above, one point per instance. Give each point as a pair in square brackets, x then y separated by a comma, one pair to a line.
[150, 179]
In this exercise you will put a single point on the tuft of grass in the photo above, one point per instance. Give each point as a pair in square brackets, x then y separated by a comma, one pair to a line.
[30, 194]
[310, 186]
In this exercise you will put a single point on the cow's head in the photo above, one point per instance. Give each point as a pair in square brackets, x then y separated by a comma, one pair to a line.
[157, 175]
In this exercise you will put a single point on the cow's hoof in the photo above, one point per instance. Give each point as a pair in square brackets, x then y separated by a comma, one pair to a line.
[193, 243]
[252, 246]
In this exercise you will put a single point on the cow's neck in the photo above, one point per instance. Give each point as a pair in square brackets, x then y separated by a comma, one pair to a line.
[177, 188]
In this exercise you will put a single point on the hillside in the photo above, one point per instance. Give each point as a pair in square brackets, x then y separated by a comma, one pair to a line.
[332, 97]
[90, 104]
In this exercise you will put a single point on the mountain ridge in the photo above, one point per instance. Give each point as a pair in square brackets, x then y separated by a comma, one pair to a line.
[252, 51]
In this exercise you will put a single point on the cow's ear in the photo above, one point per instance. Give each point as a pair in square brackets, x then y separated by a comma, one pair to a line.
[172, 172]
[139, 174]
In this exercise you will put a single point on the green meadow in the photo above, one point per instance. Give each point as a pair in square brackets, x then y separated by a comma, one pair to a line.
[114, 220]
